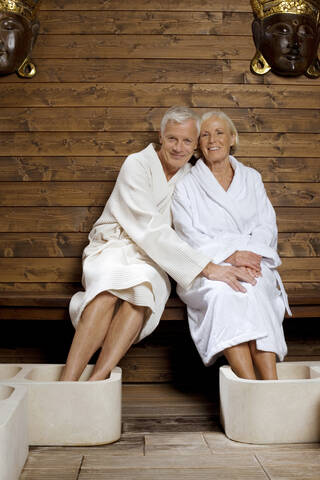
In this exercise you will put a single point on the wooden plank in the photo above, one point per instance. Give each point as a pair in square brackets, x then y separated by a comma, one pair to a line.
[143, 22]
[144, 46]
[152, 70]
[166, 94]
[167, 5]
[40, 269]
[70, 168]
[87, 119]
[72, 244]
[284, 169]
[111, 143]
[299, 245]
[96, 194]
[55, 193]
[69, 269]
[81, 219]
[42, 244]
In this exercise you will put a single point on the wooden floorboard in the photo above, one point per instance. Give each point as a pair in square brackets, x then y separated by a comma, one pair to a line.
[177, 438]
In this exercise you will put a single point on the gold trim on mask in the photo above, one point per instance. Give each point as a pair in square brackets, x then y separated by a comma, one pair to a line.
[266, 8]
[26, 8]
[259, 64]
[27, 69]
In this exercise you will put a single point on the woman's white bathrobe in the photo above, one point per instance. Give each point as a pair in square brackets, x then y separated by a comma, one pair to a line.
[219, 222]
[132, 244]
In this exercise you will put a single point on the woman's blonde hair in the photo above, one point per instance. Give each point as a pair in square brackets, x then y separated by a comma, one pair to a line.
[232, 127]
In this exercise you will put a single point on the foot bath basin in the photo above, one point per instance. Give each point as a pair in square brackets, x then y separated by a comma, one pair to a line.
[273, 411]
[13, 431]
[68, 413]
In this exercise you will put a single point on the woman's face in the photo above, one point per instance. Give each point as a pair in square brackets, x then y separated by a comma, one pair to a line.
[216, 139]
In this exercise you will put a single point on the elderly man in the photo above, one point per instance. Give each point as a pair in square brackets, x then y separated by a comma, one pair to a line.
[132, 249]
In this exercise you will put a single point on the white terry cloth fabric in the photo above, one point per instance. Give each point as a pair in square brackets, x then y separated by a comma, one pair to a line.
[219, 222]
[132, 244]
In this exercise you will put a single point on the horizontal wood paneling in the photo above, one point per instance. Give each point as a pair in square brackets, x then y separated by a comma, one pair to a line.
[152, 70]
[110, 143]
[70, 168]
[147, 119]
[81, 219]
[71, 244]
[144, 22]
[69, 269]
[95, 194]
[144, 46]
[145, 95]
[167, 5]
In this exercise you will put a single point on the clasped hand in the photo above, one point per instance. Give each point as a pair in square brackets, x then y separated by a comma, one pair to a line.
[246, 266]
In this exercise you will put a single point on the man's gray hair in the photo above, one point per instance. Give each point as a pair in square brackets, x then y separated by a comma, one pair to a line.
[179, 115]
[232, 127]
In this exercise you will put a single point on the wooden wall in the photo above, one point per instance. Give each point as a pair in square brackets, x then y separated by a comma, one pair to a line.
[106, 72]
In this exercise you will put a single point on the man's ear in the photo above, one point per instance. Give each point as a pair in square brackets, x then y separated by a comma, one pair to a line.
[256, 32]
[35, 27]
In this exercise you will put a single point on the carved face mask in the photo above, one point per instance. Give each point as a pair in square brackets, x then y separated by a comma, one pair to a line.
[18, 32]
[286, 42]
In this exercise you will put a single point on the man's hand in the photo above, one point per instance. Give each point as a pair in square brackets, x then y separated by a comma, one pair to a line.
[229, 275]
[244, 258]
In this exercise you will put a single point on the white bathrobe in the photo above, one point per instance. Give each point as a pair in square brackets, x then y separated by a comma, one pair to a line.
[219, 222]
[132, 244]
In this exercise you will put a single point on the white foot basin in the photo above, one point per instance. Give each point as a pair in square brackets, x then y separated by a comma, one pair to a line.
[68, 413]
[273, 411]
[13, 431]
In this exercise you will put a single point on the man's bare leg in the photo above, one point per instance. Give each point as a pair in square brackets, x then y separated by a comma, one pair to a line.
[240, 360]
[124, 329]
[265, 362]
[90, 334]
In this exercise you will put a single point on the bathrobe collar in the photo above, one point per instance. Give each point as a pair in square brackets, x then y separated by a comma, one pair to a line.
[205, 179]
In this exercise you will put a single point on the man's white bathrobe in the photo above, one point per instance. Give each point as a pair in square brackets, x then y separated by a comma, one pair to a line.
[132, 244]
[219, 222]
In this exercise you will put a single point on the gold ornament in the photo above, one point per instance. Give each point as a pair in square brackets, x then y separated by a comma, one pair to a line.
[26, 8]
[314, 69]
[266, 8]
[259, 64]
[27, 69]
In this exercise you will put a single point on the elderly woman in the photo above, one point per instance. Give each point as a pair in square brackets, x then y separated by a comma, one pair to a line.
[132, 248]
[221, 209]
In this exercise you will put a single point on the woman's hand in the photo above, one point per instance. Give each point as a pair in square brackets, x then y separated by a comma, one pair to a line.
[230, 275]
[244, 258]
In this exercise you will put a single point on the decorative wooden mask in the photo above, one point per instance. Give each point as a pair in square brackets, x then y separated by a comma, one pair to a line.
[19, 28]
[286, 35]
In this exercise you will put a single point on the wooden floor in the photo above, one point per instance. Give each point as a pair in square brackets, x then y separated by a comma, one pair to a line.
[173, 433]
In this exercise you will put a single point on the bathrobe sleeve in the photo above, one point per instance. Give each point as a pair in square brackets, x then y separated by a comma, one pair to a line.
[217, 247]
[132, 204]
[264, 235]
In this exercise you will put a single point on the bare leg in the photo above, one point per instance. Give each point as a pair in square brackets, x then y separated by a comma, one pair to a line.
[90, 334]
[240, 360]
[124, 329]
[264, 361]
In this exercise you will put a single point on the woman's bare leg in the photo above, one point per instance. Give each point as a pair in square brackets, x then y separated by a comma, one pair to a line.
[265, 362]
[240, 360]
[124, 329]
[90, 334]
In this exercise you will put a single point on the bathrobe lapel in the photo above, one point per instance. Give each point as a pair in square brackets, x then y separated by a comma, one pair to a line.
[207, 182]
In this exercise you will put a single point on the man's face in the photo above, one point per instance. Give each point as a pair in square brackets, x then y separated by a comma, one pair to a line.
[288, 42]
[178, 142]
[15, 41]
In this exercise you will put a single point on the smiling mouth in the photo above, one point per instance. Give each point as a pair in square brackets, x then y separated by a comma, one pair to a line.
[213, 149]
